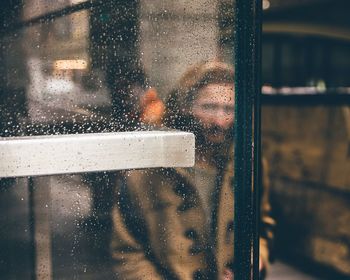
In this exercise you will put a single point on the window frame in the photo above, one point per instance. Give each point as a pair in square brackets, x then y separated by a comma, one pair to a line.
[247, 57]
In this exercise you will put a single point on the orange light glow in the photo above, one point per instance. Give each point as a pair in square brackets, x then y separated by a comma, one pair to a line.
[78, 64]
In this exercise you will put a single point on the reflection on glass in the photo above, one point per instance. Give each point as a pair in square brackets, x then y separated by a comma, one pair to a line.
[37, 8]
[63, 86]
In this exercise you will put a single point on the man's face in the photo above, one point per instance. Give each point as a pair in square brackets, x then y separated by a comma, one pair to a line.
[214, 109]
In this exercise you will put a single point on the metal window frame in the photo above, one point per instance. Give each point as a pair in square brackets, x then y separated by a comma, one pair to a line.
[247, 45]
[52, 15]
[328, 98]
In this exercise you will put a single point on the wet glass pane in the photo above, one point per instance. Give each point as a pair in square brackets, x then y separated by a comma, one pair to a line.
[36, 8]
[51, 72]
[75, 72]
[56, 227]
[116, 66]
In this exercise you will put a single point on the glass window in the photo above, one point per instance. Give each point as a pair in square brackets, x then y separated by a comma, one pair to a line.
[35, 8]
[99, 67]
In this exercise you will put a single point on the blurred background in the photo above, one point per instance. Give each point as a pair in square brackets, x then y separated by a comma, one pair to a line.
[75, 66]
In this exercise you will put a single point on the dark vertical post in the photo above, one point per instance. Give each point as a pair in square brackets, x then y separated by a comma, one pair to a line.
[32, 227]
[257, 175]
[247, 131]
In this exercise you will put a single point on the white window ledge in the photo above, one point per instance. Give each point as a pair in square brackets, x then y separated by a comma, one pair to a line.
[61, 154]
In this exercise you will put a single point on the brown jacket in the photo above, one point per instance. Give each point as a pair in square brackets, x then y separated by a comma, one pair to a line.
[159, 226]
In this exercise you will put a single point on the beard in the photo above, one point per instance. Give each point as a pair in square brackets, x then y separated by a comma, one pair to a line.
[213, 135]
[211, 140]
[215, 140]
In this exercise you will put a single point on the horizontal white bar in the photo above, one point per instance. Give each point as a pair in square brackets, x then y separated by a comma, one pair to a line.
[60, 154]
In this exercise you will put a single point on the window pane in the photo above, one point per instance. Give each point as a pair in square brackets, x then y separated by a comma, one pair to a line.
[67, 217]
[37, 8]
[123, 66]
